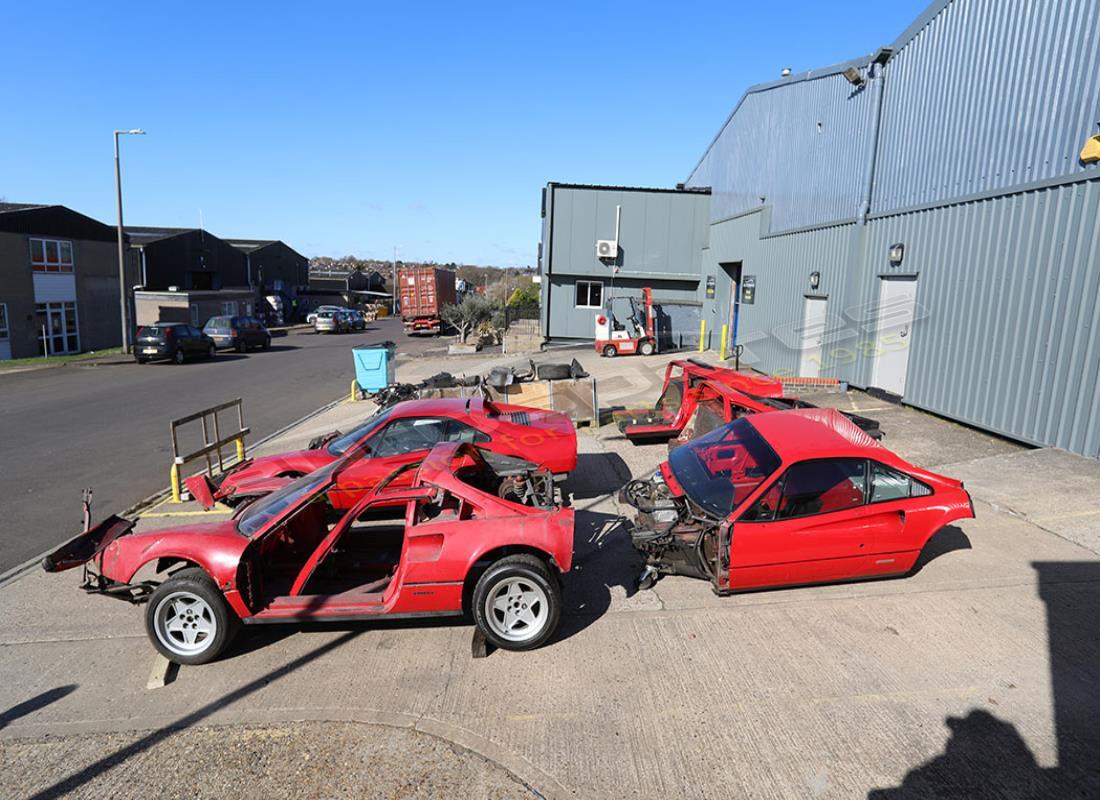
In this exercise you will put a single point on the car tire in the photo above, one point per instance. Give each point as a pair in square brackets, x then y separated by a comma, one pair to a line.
[516, 603]
[241, 346]
[178, 357]
[141, 360]
[609, 351]
[647, 348]
[554, 372]
[212, 352]
[189, 606]
[267, 343]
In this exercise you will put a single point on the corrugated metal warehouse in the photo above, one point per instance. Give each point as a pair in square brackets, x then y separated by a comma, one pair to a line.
[924, 220]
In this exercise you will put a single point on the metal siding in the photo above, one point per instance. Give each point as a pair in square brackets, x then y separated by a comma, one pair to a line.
[974, 102]
[771, 148]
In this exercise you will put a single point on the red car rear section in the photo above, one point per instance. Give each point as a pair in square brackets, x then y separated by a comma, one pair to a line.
[788, 498]
[546, 438]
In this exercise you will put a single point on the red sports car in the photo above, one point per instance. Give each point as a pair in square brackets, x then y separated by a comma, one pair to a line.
[399, 435]
[683, 381]
[444, 545]
[788, 498]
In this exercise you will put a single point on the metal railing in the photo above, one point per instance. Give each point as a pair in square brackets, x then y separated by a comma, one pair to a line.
[210, 424]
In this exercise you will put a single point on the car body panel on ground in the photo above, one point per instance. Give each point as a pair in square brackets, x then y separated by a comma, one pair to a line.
[787, 498]
[682, 382]
[403, 434]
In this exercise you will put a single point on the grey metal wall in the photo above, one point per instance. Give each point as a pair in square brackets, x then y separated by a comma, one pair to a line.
[661, 238]
[797, 145]
[988, 95]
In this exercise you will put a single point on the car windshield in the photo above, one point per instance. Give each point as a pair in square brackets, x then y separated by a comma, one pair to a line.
[722, 468]
[264, 510]
[217, 323]
[343, 443]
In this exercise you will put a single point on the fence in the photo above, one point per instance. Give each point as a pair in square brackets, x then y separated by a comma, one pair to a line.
[209, 419]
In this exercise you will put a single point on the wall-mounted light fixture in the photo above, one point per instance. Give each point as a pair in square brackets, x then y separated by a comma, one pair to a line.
[786, 73]
[815, 280]
[897, 254]
[1090, 153]
[854, 76]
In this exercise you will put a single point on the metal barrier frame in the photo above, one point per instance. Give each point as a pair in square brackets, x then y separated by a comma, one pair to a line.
[209, 417]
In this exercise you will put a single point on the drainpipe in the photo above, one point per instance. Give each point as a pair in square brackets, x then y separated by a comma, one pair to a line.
[878, 80]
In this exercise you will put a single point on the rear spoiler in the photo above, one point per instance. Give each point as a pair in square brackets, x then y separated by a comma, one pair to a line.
[86, 546]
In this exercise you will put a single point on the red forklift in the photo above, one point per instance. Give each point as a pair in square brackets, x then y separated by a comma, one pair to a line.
[613, 337]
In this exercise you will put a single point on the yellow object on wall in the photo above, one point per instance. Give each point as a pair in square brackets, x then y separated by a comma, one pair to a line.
[1090, 153]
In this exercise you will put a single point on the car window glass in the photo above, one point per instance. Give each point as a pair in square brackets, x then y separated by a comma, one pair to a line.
[819, 487]
[461, 432]
[409, 436]
[887, 484]
[340, 445]
[764, 507]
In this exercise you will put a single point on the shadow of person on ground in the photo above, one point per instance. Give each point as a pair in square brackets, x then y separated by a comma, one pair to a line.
[38, 701]
[985, 757]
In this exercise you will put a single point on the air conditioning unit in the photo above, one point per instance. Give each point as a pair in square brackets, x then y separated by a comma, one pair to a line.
[607, 248]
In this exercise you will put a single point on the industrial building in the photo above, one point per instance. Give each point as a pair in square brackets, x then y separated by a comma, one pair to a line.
[922, 221]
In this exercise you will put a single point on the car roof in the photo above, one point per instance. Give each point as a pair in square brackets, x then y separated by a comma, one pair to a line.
[165, 324]
[439, 406]
[805, 433]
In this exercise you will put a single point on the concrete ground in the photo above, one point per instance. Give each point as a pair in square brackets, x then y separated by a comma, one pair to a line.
[974, 677]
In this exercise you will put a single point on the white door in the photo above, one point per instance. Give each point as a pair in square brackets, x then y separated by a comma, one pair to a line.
[897, 300]
[812, 335]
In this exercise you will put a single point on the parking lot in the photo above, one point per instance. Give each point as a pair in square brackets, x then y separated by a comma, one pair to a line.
[974, 676]
[106, 425]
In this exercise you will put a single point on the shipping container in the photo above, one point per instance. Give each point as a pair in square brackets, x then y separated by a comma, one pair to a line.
[424, 291]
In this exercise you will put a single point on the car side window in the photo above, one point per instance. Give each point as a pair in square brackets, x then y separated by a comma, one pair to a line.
[890, 484]
[461, 432]
[408, 436]
[822, 486]
[764, 508]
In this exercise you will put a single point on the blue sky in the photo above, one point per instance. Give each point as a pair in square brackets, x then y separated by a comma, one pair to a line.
[357, 127]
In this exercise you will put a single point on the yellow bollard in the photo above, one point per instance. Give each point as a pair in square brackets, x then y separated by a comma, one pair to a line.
[352, 392]
[722, 349]
[239, 441]
[702, 335]
[176, 484]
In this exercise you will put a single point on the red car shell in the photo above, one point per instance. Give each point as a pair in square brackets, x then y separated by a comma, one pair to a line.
[545, 438]
[783, 529]
[437, 557]
[679, 396]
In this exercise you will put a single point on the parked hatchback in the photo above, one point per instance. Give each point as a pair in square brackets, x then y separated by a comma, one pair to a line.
[239, 333]
[176, 341]
[331, 322]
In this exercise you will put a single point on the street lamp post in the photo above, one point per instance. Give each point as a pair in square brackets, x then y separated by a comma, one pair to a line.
[122, 304]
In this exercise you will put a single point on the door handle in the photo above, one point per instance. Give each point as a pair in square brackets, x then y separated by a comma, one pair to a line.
[904, 332]
[901, 516]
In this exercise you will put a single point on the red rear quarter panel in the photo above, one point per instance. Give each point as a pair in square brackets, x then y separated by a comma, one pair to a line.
[549, 439]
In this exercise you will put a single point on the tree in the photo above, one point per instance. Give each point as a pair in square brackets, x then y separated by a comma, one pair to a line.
[527, 295]
[467, 315]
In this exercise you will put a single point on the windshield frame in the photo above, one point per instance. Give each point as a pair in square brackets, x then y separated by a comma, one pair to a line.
[365, 429]
[686, 466]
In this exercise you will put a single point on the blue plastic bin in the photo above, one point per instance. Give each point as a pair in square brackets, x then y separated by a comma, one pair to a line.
[374, 365]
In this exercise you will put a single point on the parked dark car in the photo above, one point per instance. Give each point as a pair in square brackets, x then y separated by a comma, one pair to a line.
[239, 333]
[357, 319]
[176, 341]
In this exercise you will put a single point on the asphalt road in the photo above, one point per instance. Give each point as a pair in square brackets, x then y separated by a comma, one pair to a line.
[106, 426]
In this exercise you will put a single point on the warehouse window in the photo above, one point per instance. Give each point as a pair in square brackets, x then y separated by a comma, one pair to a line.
[51, 255]
[589, 294]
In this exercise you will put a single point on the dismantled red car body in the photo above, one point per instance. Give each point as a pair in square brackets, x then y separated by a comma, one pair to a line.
[683, 380]
[444, 544]
[787, 498]
[716, 404]
[400, 435]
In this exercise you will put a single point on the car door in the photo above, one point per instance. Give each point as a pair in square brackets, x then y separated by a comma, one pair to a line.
[195, 338]
[400, 442]
[811, 525]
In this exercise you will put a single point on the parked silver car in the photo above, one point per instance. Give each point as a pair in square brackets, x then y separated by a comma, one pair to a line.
[331, 322]
[312, 316]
